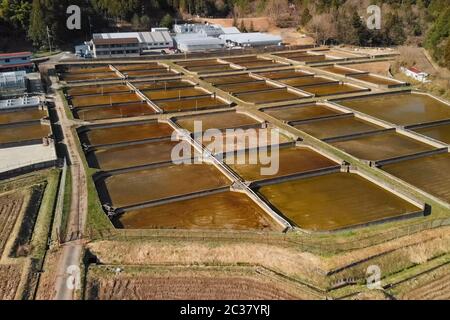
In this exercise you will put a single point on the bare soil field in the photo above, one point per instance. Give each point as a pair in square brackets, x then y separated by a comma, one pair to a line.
[194, 284]
[434, 285]
[379, 67]
[9, 281]
[10, 207]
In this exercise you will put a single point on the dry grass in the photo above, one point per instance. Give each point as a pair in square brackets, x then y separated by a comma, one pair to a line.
[287, 260]
[180, 283]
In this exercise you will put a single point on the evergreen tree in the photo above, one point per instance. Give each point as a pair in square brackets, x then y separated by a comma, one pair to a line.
[37, 31]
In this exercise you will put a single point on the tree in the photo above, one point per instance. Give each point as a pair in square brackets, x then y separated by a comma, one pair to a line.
[136, 22]
[305, 17]
[166, 21]
[145, 21]
[242, 27]
[37, 31]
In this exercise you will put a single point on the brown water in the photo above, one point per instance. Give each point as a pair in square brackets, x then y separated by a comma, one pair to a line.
[90, 76]
[238, 60]
[375, 80]
[99, 69]
[382, 146]
[23, 132]
[306, 81]
[221, 120]
[269, 96]
[229, 79]
[337, 70]
[428, 173]
[134, 67]
[334, 201]
[225, 210]
[261, 64]
[401, 109]
[301, 112]
[162, 84]
[127, 133]
[241, 139]
[106, 99]
[191, 104]
[283, 74]
[175, 93]
[131, 156]
[245, 87]
[290, 160]
[440, 132]
[136, 187]
[149, 73]
[330, 128]
[97, 89]
[28, 114]
[332, 89]
[117, 111]
[308, 58]
[198, 63]
[210, 69]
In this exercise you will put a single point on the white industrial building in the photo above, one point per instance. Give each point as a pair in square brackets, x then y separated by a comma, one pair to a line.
[23, 102]
[13, 83]
[147, 40]
[251, 39]
[195, 42]
[115, 48]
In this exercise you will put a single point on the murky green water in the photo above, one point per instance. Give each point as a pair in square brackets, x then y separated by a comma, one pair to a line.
[382, 146]
[225, 210]
[334, 201]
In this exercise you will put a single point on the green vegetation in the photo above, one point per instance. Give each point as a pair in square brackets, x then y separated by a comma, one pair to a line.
[417, 22]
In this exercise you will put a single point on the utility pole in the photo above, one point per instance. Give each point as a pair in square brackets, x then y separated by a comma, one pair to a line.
[48, 37]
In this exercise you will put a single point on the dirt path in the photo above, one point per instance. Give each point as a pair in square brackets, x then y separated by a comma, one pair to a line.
[72, 249]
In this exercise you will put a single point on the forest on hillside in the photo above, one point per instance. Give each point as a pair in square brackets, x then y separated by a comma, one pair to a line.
[417, 22]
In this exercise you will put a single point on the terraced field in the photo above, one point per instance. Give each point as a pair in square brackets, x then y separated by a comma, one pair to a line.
[435, 290]
[10, 206]
[9, 281]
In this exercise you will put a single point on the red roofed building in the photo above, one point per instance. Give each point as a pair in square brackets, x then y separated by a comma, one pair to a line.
[15, 61]
[415, 73]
